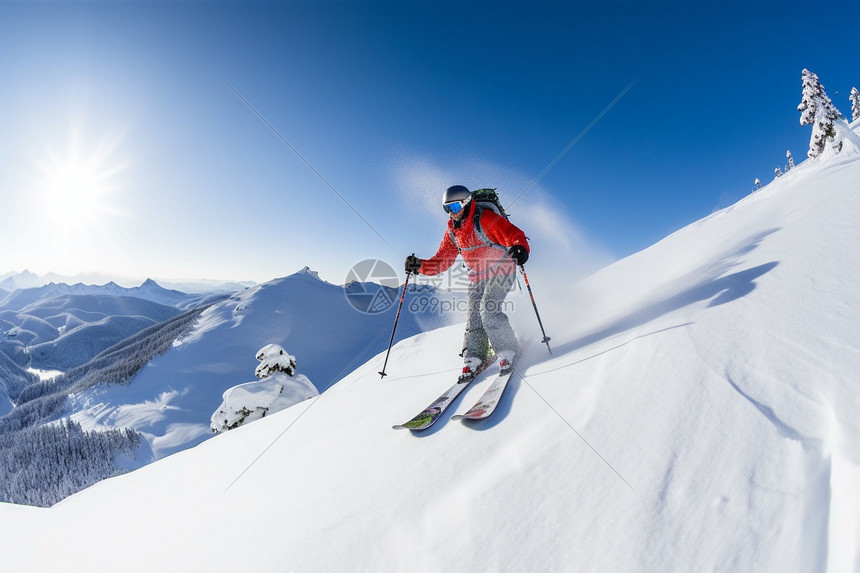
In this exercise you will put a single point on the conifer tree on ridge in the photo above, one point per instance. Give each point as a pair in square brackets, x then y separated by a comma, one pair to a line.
[817, 110]
[855, 104]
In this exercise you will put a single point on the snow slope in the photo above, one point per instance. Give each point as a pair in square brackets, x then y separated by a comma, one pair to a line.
[699, 413]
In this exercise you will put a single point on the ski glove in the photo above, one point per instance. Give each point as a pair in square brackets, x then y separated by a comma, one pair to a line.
[413, 264]
[519, 254]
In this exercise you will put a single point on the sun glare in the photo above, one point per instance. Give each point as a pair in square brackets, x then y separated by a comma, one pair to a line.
[76, 188]
[74, 192]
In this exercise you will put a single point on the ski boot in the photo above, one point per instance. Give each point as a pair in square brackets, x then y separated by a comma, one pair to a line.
[473, 367]
[506, 362]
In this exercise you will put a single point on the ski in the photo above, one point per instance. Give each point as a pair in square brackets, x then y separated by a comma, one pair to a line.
[431, 414]
[488, 402]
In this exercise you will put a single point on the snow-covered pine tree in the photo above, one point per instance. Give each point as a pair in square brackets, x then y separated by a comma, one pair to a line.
[790, 160]
[757, 183]
[273, 358]
[280, 388]
[777, 172]
[855, 104]
[818, 111]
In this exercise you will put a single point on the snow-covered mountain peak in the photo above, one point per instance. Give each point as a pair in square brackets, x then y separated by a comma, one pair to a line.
[307, 272]
[24, 279]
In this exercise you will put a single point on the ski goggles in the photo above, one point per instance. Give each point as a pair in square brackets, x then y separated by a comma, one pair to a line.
[454, 207]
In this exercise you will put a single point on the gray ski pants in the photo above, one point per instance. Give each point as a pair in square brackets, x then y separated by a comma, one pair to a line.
[487, 324]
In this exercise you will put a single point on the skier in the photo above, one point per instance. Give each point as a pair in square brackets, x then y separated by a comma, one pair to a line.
[491, 247]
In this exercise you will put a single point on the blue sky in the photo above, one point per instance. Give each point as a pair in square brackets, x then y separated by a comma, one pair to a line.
[124, 150]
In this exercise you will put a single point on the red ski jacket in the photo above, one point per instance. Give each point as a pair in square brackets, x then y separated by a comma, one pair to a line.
[484, 249]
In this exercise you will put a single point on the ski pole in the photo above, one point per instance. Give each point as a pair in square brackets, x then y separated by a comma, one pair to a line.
[396, 319]
[546, 338]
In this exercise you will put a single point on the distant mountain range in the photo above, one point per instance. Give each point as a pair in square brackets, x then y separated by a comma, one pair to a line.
[61, 326]
[12, 281]
[149, 290]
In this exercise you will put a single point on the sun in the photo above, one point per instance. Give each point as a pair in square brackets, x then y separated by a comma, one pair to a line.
[75, 192]
[77, 187]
